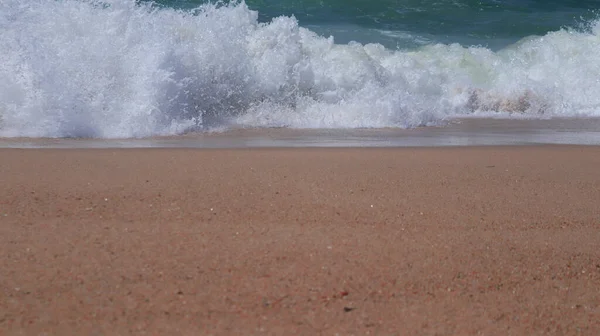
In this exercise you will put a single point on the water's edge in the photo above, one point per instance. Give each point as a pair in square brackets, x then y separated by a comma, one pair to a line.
[465, 132]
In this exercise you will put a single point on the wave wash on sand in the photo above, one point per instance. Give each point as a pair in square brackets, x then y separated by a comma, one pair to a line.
[117, 69]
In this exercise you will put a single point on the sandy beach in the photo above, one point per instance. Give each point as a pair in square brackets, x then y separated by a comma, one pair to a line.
[388, 241]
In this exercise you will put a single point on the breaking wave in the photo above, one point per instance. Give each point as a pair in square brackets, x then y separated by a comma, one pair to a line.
[120, 69]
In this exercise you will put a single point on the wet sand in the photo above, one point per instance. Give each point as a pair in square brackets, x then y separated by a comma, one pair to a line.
[457, 132]
[470, 240]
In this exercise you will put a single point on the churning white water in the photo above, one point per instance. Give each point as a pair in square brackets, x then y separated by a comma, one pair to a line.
[116, 69]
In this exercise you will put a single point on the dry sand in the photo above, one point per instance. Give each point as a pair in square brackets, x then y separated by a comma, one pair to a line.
[493, 241]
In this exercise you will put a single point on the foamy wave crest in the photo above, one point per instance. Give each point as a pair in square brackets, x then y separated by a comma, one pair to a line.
[121, 69]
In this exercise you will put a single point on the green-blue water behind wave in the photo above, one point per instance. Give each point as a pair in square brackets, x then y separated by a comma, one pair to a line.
[408, 23]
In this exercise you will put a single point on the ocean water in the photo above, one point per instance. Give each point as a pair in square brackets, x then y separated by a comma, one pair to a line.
[135, 69]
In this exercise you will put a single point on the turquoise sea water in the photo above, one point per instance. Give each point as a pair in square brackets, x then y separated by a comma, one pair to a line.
[134, 68]
[410, 23]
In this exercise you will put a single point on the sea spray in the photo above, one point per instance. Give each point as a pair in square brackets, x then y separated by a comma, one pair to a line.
[118, 69]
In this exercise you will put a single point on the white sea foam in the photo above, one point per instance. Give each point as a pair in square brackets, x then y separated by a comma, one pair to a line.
[115, 68]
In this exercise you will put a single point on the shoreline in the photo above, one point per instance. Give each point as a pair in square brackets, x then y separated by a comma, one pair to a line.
[465, 132]
[456, 240]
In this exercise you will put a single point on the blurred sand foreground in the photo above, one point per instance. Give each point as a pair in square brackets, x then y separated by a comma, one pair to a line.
[494, 240]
